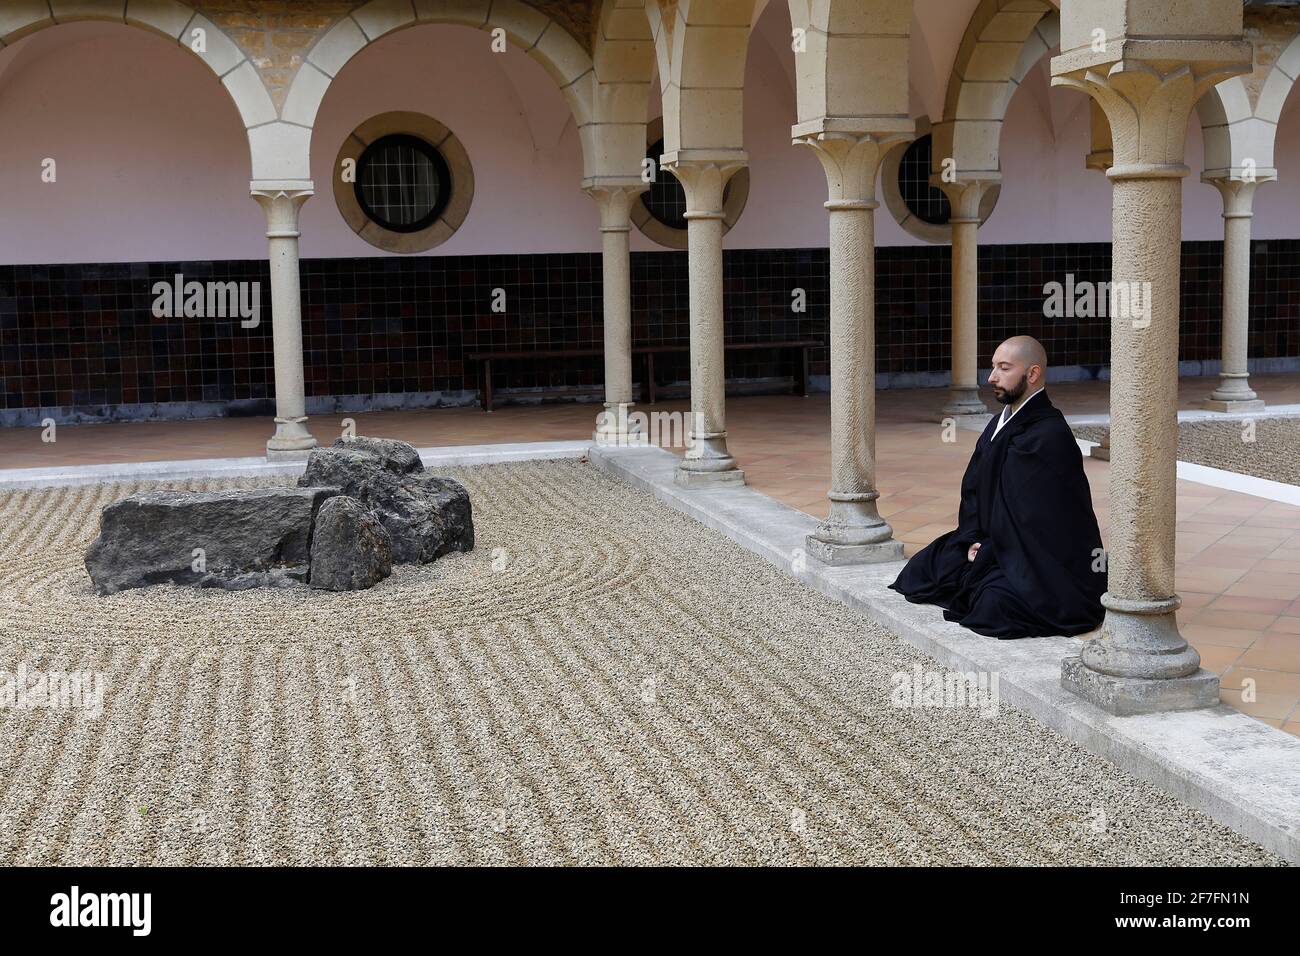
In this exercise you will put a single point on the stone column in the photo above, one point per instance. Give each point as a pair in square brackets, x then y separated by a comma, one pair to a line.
[1234, 393]
[1101, 157]
[281, 202]
[707, 462]
[613, 426]
[963, 394]
[853, 532]
[1139, 662]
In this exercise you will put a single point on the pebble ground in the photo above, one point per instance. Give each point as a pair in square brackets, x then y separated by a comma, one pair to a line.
[602, 681]
[1264, 447]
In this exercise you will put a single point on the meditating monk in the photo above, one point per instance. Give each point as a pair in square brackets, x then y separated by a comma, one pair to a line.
[1025, 559]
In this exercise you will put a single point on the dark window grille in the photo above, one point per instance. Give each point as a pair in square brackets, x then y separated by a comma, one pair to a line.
[403, 183]
[665, 200]
[926, 202]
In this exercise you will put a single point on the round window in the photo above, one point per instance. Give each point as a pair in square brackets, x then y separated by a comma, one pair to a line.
[403, 183]
[926, 202]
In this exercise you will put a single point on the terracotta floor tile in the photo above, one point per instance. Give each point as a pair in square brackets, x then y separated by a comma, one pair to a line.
[1234, 620]
[1250, 604]
[1274, 652]
[1216, 657]
[1199, 634]
[1286, 625]
[1267, 704]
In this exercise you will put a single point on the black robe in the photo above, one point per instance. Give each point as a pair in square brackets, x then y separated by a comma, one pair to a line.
[1025, 498]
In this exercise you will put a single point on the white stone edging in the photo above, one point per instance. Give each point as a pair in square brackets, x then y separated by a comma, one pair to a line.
[446, 456]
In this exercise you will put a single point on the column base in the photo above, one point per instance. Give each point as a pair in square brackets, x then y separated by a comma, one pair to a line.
[1139, 639]
[1129, 696]
[963, 401]
[1236, 405]
[731, 478]
[838, 555]
[291, 441]
[853, 532]
[616, 428]
[288, 454]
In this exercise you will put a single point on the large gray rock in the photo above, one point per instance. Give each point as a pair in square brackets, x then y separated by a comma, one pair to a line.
[426, 516]
[396, 456]
[248, 538]
[350, 550]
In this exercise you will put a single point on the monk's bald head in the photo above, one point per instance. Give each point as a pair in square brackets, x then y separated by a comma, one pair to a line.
[1028, 349]
[1019, 368]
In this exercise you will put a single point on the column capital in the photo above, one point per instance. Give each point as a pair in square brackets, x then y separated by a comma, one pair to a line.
[1238, 194]
[965, 195]
[282, 200]
[851, 161]
[1101, 155]
[615, 203]
[1146, 104]
[704, 181]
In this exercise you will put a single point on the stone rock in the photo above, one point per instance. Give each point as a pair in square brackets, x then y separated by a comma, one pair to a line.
[350, 550]
[426, 516]
[249, 538]
[396, 456]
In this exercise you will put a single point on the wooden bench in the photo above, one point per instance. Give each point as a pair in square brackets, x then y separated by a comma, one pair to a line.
[485, 359]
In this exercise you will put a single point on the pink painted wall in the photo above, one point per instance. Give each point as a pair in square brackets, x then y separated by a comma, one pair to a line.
[152, 157]
[153, 164]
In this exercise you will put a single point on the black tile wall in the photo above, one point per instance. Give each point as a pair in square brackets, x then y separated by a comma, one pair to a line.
[85, 335]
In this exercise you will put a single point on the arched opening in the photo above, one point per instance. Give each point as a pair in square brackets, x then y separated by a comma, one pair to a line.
[124, 166]
[148, 157]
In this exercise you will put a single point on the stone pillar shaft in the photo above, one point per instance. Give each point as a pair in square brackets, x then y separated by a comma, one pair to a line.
[1143, 392]
[282, 203]
[853, 344]
[1234, 392]
[614, 426]
[707, 461]
[963, 394]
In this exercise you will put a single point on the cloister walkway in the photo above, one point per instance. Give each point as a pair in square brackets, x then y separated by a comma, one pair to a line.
[1237, 557]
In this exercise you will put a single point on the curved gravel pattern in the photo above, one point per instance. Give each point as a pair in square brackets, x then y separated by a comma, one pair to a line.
[1274, 452]
[602, 680]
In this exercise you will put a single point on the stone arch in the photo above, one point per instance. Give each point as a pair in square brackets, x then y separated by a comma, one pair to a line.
[852, 74]
[167, 18]
[1239, 133]
[282, 149]
[1003, 41]
[700, 49]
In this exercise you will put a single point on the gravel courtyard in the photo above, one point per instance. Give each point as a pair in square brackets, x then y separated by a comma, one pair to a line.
[601, 681]
[1274, 453]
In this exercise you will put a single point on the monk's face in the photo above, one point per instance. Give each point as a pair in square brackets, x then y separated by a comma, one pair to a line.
[1009, 377]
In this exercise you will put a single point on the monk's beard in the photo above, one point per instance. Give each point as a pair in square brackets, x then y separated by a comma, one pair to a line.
[1009, 396]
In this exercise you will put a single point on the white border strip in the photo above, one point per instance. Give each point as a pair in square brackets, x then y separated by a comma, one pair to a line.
[446, 456]
[1234, 481]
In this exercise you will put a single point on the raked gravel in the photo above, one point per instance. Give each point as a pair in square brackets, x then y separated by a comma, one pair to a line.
[1263, 447]
[602, 680]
